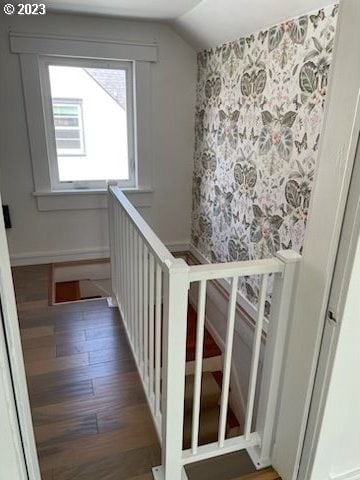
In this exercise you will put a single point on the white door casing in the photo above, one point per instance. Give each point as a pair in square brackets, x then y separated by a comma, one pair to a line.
[13, 377]
[334, 169]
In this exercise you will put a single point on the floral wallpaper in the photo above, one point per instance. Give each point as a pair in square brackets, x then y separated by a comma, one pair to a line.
[260, 106]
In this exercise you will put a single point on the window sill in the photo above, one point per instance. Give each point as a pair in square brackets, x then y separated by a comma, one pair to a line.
[88, 199]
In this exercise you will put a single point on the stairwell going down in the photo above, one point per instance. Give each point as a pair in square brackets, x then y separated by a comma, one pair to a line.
[210, 388]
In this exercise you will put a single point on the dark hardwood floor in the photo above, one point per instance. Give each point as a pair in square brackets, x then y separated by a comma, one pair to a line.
[89, 411]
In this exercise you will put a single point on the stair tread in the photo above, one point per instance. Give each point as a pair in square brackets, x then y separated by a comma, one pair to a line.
[211, 349]
[231, 466]
[231, 418]
[208, 431]
[266, 474]
[210, 392]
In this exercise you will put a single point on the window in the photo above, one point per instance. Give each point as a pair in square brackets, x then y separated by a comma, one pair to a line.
[89, 122]
[68, 172]
[68, 124]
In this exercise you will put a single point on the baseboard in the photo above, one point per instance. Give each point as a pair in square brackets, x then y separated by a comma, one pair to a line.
[40, 258]
[353, 475]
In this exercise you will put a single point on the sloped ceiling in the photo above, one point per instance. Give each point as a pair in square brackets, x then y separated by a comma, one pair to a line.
[213, 22]
[203, 23]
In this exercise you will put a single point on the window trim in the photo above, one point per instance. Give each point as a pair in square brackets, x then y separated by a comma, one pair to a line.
[143, 55]
[128, 67]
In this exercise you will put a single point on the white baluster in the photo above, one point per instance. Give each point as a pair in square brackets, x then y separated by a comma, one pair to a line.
[255, 356]
[227, 362]
[132, 278]
[198, 365]
[151, 327]
[136, 294]
[146, 314]
[158, 344]
[141, 302]
[126, 276]
[121, 263]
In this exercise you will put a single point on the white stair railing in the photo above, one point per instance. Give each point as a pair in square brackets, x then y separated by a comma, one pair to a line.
[151, 288]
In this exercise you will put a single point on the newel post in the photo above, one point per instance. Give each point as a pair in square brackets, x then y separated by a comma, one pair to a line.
[112, 220]
[281, 304]
[176, 285]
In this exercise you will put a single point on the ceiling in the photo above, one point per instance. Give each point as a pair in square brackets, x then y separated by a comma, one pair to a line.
[143, 9]
[203, 23]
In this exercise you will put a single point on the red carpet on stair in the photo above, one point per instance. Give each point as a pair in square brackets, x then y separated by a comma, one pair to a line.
[210, 347]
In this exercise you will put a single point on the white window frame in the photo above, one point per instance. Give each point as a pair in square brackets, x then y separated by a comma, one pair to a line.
[128, 67]
[77, 103]
[30, 47]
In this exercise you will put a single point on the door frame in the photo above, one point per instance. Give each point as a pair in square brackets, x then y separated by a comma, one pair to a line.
[328, 202]
[342, 274]
[12, 464]
[14, 370]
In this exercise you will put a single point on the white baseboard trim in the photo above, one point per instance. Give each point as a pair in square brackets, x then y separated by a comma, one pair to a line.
[353, 475]
[40, 258]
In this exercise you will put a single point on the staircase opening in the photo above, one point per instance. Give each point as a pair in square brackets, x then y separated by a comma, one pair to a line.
[185, 340]
[80, 280]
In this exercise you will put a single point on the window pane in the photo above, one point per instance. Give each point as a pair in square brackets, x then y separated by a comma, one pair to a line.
[68, 144]
[73, 133]
[90, 123]
[66, 121]
[68, 110]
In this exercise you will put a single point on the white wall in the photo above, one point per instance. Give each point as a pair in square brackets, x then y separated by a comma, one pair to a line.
[338, 450]
[172, 139]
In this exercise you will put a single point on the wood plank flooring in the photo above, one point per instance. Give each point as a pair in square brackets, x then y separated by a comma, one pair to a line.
[90, 416]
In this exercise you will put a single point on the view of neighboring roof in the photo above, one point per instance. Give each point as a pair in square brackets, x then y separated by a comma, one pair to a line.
[112, 81]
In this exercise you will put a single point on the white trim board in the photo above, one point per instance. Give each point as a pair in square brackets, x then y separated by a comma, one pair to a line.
[40, 258]
[82, 47]
[89, 199]
[353, 475]
[13, 381]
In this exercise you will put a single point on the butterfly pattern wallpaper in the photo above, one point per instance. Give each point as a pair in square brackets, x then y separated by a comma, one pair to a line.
[259, 112]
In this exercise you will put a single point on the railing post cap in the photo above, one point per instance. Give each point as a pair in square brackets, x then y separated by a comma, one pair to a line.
[177, 264]
[288, 256]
